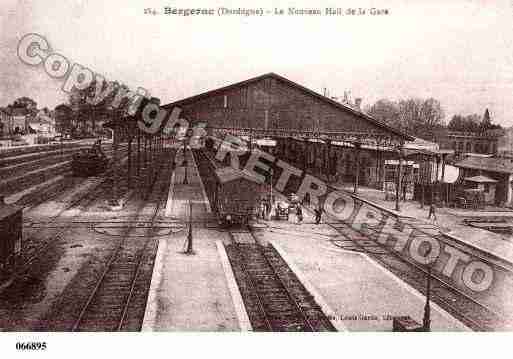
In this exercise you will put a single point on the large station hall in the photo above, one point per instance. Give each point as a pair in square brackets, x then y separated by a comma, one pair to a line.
[259, 206]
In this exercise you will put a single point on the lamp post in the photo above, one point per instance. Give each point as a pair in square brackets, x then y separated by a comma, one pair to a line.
[426, 320]
[189, 249]
[114, 200]
[398, 181]
[185, 180]
[357, 146]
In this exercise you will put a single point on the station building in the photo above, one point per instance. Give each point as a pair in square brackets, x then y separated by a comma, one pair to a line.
[491, 175]
[311, 131]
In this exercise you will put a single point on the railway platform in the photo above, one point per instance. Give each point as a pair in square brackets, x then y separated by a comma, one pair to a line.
[198, 292]
[79, 259]
[362, 295]
[189, 292]
[448, 222]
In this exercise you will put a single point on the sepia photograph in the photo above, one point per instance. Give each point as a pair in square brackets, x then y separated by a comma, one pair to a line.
[208, 167]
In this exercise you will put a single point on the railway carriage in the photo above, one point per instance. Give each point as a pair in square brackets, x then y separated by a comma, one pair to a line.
[234, 195]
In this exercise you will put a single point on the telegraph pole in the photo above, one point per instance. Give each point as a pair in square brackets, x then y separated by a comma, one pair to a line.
[426, 321]
[398, 179]
[189, 249]
[185, 180]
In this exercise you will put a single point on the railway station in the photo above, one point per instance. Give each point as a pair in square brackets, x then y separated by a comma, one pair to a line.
[233, 222]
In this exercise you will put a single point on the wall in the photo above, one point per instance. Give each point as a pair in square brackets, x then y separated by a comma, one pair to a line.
[273, 104]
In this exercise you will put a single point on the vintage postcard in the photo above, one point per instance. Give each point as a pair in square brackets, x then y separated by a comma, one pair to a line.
[244, 167]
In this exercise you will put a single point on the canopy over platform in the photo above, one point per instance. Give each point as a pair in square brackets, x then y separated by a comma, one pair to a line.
[480, 179]
[499, 165]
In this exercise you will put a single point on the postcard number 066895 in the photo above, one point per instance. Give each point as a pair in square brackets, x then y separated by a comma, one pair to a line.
[31, 346]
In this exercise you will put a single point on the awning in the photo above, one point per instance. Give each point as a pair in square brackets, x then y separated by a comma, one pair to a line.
[480, 179]
[266, 142]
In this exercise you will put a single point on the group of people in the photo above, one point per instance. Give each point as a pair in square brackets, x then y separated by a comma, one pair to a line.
[264, 210]
[296, 209]
[317, 213]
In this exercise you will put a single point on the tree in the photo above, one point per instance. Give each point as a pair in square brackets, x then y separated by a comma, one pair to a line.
[472, 123]
[418, 117]
[386, 111]
[486, 124]
[27, 103]
[469, 123]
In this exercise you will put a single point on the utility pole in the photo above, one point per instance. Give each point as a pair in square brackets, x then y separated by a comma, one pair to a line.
[426, 321]
[185, 180]
[357, 146]
[114, 201]
[398, 181]
[189, 249]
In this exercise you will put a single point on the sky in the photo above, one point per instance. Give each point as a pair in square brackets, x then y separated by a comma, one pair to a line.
[459, 52]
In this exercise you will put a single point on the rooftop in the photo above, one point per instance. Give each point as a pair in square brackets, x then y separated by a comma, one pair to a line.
[325, 99]
[491, 164]
[480, 179]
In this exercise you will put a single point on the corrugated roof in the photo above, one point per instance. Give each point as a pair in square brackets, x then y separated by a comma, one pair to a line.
[492, 164]
[300, 87]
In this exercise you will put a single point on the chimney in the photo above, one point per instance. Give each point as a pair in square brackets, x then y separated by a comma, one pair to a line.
[358, 103]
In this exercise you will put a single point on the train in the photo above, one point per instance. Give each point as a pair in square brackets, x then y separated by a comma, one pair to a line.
[90, 162]
[234, 195]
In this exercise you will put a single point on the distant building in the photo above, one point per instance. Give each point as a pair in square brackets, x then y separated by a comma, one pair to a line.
[63, 119]
[470, 142]
[506, 144]
[494, 176]
[5, 122]
[42, 124]
[481, 142]
[19, 120]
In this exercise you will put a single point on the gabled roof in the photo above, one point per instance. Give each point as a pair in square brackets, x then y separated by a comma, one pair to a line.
[299, 87]
[491, 164]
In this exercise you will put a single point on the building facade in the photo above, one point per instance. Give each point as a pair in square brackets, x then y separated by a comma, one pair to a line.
[494, 175]
[273, 103]
[63, 119]
[471, 142]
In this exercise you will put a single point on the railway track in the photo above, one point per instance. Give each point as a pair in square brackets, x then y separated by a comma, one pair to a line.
[33, 247]
[273, 296]
[117, 293]
[477, 316]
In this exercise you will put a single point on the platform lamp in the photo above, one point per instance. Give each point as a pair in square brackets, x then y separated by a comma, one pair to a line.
[401, 155]
[184, 163]
[426, 320]
[189, 249]
[187, 138]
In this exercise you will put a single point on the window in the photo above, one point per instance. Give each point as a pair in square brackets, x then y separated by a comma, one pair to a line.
[225, 101]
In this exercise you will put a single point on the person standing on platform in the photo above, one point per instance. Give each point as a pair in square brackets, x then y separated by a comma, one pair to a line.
[262, 209]
[267, 207]
[299, 213]
[432, 209]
